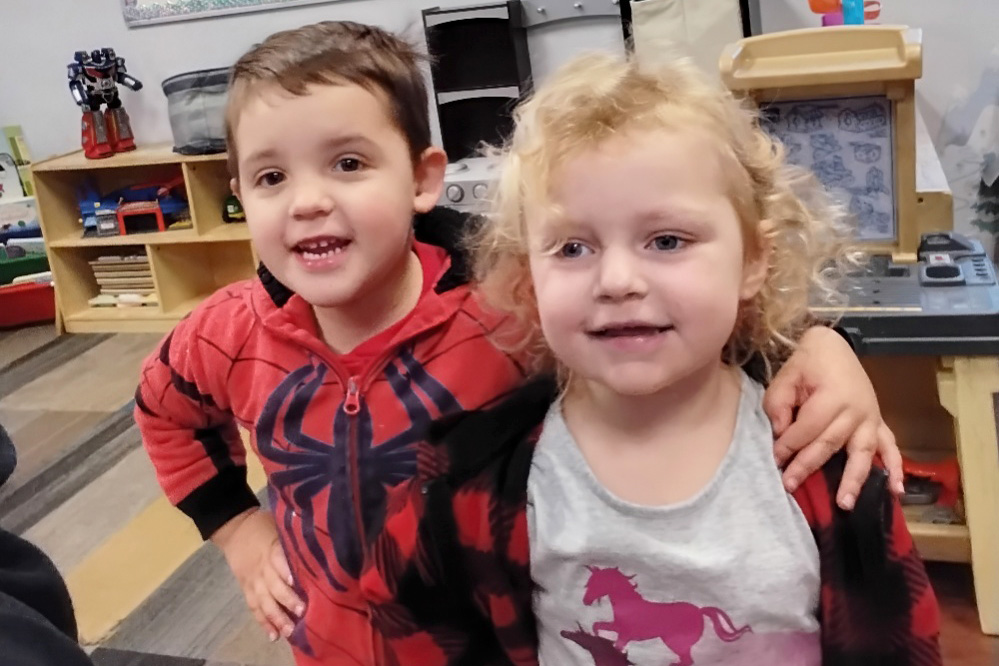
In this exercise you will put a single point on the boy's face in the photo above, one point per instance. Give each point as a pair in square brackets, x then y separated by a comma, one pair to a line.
[329, 189]
[643, 291]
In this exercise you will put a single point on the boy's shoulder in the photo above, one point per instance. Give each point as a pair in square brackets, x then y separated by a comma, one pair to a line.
[235, 305]
[223, 319]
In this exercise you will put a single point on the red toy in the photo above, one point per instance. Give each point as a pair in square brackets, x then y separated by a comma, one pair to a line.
[142, 209]
[28, 303]
[947, 473]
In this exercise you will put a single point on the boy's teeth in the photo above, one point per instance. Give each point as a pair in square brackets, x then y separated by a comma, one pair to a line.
[322, 249]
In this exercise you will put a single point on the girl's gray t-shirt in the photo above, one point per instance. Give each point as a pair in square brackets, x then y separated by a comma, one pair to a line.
[730, 576]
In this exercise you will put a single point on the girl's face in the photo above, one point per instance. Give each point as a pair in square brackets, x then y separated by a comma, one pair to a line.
[639, 285]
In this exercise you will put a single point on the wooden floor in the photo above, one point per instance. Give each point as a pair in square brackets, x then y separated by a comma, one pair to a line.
[85, 492]
[961, 641]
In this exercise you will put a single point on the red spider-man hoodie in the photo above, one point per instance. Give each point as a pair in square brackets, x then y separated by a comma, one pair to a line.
[332, 440]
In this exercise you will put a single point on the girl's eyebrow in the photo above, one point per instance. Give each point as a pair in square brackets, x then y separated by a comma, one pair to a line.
[674, 215]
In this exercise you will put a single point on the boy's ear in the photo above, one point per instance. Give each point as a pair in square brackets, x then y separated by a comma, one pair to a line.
[234, 186]
[428, 177]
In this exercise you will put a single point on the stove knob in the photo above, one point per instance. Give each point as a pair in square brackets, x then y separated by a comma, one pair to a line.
[480, 191]
[455, 193]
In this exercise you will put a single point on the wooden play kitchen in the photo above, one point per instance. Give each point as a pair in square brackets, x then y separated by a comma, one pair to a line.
[924, 316]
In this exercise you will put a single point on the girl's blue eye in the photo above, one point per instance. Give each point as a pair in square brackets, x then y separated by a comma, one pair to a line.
[573, 250]
[667, 243]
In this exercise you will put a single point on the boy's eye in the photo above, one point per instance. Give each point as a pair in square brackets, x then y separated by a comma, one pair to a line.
[349, 164]
[667, 243]
[270, 179]
[573, 250]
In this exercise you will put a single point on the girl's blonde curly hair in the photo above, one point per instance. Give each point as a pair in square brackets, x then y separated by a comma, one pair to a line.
[784, 211]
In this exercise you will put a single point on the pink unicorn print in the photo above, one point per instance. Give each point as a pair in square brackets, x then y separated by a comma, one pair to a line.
[679, 625]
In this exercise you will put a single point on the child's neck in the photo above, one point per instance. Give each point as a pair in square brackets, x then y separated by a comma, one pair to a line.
[676, 408]
[658, 449]
[345, 327]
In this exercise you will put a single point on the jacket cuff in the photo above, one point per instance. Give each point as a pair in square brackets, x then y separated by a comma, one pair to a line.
[218, 501]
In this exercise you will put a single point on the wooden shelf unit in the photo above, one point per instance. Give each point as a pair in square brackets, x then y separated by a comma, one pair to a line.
[187, 265]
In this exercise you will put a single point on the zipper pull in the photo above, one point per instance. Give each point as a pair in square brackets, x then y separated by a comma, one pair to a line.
[352, 405]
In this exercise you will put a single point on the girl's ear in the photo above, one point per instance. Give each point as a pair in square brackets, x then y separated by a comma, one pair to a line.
[756, 266]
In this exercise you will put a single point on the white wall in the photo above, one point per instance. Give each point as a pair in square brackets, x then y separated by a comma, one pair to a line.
[40, 36]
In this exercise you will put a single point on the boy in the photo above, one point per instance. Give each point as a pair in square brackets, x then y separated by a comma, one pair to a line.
[360, 330]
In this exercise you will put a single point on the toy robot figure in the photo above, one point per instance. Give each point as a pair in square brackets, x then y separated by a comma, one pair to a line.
[93, 79]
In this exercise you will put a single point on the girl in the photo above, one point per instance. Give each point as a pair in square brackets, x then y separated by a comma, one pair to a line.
[648, 238]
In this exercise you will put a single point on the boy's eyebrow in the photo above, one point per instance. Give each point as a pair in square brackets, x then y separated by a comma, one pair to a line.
[333, 143]
[348, 139]
[259, 156]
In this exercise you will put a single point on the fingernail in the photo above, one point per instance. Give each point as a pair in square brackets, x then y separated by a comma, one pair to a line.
[900, 488]
[287, 631]
[273, 636]
[299, 609]
[791, 485]
[848, 502]
[291, 580]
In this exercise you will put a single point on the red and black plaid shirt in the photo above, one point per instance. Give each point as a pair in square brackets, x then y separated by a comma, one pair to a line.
[449, 580]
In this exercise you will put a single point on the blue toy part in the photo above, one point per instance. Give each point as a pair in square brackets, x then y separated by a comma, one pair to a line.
[853, 12]
[90, 200]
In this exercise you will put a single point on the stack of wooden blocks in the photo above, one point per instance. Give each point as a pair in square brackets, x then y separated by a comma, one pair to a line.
[124, 281]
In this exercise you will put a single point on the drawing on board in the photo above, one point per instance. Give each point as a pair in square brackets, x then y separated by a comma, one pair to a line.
[144, 12]
[847, 143]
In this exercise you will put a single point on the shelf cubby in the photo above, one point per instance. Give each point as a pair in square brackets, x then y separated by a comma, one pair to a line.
[187, 265]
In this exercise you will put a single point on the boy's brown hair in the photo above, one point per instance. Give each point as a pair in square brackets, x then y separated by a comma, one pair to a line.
[335, 53]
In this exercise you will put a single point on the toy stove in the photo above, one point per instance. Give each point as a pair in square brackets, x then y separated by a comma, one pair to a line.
[467, 183]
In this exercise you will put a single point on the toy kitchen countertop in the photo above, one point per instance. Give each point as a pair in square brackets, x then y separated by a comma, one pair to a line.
[946, 304]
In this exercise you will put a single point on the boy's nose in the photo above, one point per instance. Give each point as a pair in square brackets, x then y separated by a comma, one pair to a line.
[311, 201]
[619, 276]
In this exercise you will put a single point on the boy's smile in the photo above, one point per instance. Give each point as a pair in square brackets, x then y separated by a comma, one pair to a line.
[322, 253]
[329, 188]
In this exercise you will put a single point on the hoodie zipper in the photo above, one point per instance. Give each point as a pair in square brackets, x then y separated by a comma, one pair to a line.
[352, 407]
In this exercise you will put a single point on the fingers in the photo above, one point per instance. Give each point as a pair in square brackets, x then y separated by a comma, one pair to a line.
[814, 417]
[279, 589]
[265, 624]
[280, 564]
[270, 596]
[780, 398]
[815, 454]
[860, 454]
[278, 621]
[892, 459]
[257, 599]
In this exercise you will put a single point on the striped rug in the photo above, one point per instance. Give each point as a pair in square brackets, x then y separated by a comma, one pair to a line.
[147, 590]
